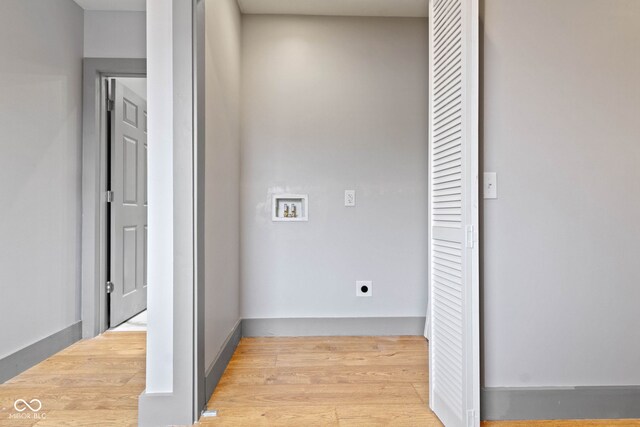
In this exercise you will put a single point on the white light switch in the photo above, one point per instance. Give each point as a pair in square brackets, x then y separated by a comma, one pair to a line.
[350, 198]
[490, 185]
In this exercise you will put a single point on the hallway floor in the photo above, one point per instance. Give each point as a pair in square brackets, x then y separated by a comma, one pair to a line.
[93, 382]
[325, 381]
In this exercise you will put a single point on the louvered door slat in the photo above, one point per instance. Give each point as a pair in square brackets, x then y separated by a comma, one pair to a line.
[444, 93]
[446, 160]
[451, 97]
[454, 385]
[448, 71]
[445, 15]
[449, 52]
[451, 105]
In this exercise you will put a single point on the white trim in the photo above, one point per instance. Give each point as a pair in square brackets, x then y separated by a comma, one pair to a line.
[173, 370]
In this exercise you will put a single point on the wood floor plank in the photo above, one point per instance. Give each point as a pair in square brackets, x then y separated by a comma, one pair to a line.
[413, 415]
[90, 364]
[349, 374]
[324, 346]
[422, 388]
[239, 375]
[315, 394]
[353, 359]
[254, 361]
[71, 379]
[16, 422]
[297, 416]
[60, 398]
[100, 417]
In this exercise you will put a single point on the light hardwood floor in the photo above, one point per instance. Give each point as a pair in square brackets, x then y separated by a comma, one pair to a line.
[325, 381]
[302, 382]
[336, 381]
[92, 383]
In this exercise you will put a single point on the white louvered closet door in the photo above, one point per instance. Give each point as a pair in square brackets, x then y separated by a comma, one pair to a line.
[453, 213]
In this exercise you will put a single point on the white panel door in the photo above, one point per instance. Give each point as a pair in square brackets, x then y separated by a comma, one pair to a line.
[453, 212]
[128, 254]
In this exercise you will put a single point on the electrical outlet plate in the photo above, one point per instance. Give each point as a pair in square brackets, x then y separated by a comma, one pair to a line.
[350, 198]
[490, 185]
[364, 288]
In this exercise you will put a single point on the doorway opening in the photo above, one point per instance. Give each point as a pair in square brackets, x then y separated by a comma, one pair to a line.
[114, 193]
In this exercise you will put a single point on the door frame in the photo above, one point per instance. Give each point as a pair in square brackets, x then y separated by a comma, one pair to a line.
[94, 185]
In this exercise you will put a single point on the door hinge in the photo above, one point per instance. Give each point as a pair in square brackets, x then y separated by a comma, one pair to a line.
[469, 237]
[109, 196]
[111, 91]
[110, 287]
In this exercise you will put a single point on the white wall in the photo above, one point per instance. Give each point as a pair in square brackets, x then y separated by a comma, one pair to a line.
[115, 34]
[160, 215]
[331, 104]
[562, 130]
[222, 174]
[40, 167]
[169, 395]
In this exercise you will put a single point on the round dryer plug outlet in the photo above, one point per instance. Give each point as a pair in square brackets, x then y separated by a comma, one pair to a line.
[364, 288]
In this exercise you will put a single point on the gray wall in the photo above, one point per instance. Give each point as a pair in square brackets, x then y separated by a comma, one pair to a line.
[40, 167]
[331, 104]
[116, 34]
[561, 129]
[222, 174]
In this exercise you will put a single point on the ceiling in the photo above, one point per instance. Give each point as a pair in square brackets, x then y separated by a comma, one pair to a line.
[395, 8]
[127, 5]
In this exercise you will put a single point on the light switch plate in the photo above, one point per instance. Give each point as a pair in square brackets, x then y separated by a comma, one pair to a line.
[350, 198]
[490, 185]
